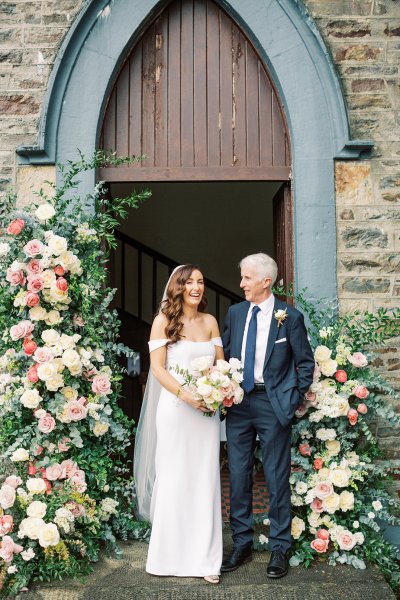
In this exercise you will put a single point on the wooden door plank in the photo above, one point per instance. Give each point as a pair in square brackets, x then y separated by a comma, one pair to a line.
[278, 134]
[271, 173]
[109, 123]
[122, 112]
[213, 110]
[187, 83]
[148, 95]
[200, 83]
[225, 78]
[252, 107]
[238, 98]
[134, 124]
[161, 90]
[174, 85]
[266, 92]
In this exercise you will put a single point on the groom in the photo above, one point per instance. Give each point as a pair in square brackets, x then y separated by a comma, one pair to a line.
[270, 338]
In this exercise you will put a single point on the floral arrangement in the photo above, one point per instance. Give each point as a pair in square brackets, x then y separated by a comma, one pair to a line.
[339, 487]
[216, 385]
[61, 491]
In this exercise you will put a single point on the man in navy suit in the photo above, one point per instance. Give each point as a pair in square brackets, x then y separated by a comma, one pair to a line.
[270, 338]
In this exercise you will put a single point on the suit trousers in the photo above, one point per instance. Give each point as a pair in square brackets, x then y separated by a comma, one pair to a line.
[255, 416]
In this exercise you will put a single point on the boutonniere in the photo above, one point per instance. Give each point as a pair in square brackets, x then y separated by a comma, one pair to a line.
[280, 315]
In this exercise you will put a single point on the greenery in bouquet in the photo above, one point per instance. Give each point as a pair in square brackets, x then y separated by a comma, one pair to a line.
[64, 483]
[340, 481]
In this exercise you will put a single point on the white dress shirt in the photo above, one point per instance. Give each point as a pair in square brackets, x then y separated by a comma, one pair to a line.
[264, 317]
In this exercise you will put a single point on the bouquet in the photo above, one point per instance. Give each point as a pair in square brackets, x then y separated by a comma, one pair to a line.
[216, 385]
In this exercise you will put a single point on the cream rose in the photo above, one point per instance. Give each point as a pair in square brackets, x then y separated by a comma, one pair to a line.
[53, 317]
[100, 428]
[50, 337]
[223, 366]
[57, 245]
[46, 371]
[30, 399]
[70, 393]
[37, 313]
[322, 353]
[30, 527]
[70, 357]
[55, 383]
[35, 485]
[333, 447]
[298, 526]
[346, 501]
[49, 278]
[20, 455]
[331, 503]
[36, 509]
[340, 477]
[44, 212]
[328, 367]
[49, 535]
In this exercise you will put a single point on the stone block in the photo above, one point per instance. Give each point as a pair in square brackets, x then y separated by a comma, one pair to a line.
[367, 101]
[365, 70]
[347, 28]
[379, 213]
[11, 56]
[365, 285]
[344, 7]
[29, 77]
[377, 126]
[19, 104]
[392, 28]
[20, 13]
[393, 88]
[346, 214]
[11, 37]
[6, 158]
[353, 182]
[364, 237]
[349, 305]
[397, 240]
[367, 85]
[373, 263]
[30, 179]
[358, 52]
[38, 36]
[393, 52]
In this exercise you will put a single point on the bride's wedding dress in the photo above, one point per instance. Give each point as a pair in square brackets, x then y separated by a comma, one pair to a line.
[186, 537]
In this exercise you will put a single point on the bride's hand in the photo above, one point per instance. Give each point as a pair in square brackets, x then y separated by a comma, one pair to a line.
[188, 398]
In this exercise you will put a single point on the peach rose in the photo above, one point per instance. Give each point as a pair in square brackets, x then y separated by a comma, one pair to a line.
[352, 416]
[305, 449]
[76, 411]
[323, 489]
[323, 534]
[13, 481]
[29, 346]
[358, 359]
[228, 402]
[34, 266]
[319, 545]
[62, 284]
[362, 408]
[346, 540]
[9, 548]
[361, 392]
[101, 385]
[33, 247]
[7, 496]
[6, 524]
[54, 472]
[15, 227]
[32, 375]
[318, 463]
[32, 470]
[341, 376]
[46, 424]
[316, 505]
[32, 299]
[59, 270]
[35, 283]
[15, 277]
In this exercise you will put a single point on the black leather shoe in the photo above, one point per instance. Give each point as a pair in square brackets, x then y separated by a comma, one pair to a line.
[238, 557]
[278, 565]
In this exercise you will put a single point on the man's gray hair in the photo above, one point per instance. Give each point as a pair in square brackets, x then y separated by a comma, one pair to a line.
[264, 265]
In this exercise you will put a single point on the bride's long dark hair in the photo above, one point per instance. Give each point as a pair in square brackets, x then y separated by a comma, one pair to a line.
[172, 307]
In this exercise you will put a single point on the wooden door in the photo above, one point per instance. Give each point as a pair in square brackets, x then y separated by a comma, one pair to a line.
[195, 98]
[283, 235]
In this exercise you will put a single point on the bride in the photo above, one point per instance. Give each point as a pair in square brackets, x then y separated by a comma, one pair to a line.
[176, 463]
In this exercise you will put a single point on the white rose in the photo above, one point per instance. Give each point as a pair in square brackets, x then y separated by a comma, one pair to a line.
[377, 505]
[50, 337]
[28, 554]
[328, 367]
[36, 509]
[36, 485]
[301, 487]
[204, 390]
[340, 477]
[238, 377]
[49, 535]
[30, 527]
[70, 357]
[235, 363]
[53, 317]
[58, 296]
[262, 539]
[4, 248]
[44, 212]
[331, 503]
[67, 341]
[20, 455]
[75, 369]
[31, 398]
[37, 313]
[202, 363]
[298, 526]
[314, 519]
[223, 366]
[49, 278]
[371, 515]
[57, 245]
[322, 353]
[55, 383]
[346, 501]
[359, 537]
[326, 434]
[46, 371]
[70, 393]
[217, 396]
[333, 447]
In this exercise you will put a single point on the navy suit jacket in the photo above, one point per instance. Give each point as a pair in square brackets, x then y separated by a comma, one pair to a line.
[288, 364]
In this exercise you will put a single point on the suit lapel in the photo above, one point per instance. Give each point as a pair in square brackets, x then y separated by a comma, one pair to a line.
[241, 322]
[273, 333]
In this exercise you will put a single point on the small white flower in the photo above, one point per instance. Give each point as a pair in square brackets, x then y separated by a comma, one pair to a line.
[262, 539]
[371, 515]
[266, 521]
[28, 554]
[12, 569]
[356, 524]
[377, 505]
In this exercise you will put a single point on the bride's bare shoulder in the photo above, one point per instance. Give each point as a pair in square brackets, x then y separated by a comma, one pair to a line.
[158, 328]
[212, 324]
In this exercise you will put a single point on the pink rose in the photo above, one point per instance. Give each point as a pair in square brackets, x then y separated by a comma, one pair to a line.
[6, 524]
[63, 444]
[101, 385]
[318, 463]
[361, 392]
[341, 376]
[29, 346]
[59, 270]
[77, 509]
[311, 398]
[32, 375]
[21, 330]
[302, 409]
[33, 248]
[69, 468]
[352, 416]
[47, 423]
[316, 505]
[42, 354]
[79, 482]
[13, 481]
[346, 540]
[362, 408]
[228, 402]
[32, 470]
[323, 534]
[9, 548]
[7, 496]
[34, 266]
[358, 359]
[62, 284]
[54, 472]
[305, 449]
[319, 545]
[32, 299]
[323, 489]
[76, 411]
[35, 283]
[38, 450]
[15, 227]
[15, 277]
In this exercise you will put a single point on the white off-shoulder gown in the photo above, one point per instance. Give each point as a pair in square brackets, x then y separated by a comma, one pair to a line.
[186, 537]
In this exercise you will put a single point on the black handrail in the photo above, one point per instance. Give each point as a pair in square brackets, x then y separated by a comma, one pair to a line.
[157, 257]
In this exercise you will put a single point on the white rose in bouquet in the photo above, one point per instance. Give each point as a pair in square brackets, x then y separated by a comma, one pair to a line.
[44, 212]
[36, 509]
[202, 363]
[36, 485]
[20, 455]
[30, 399]
[235, 364]
[49, 535]
[322, 353]
[204, 390]
[223, 366]
[30, 527]
[57, 245]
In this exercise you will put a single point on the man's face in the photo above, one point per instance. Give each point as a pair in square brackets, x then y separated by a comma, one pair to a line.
[255, 289]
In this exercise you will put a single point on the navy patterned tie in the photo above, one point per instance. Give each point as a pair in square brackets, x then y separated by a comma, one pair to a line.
[250, 352]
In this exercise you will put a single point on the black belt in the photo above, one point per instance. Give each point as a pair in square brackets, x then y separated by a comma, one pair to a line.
[258, 387]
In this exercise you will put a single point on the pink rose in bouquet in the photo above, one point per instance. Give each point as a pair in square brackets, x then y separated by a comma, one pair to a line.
[323, 489]
[29, 346]
[47, 423]
[8, 548]
[31, 374]
[358, 359]
[352, 416]
[15, 227]
[21, 330]
[362, 408]
[34, 266]
[319, 545]
[361, 392]
[7, 496]
[15, 277]
[101, 385]
[54, 472]
[346, 540]
[341, 376]
[33, 247]
[76, 410]
[14, 481]
[62, 284]
[32, 299]
[6, 524]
